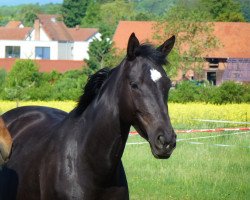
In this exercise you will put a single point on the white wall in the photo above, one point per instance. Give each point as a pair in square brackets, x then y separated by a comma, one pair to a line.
[43, 35]
[27, 48]
[80, 49]
[65, 50]
[58, 50]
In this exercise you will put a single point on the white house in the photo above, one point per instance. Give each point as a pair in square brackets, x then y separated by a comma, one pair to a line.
[49, 39]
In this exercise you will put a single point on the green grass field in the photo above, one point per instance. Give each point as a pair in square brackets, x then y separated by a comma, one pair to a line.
[194, 171]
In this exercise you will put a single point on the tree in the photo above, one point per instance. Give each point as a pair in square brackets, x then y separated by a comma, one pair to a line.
[194, 37]
[245, 7]
[106, 16]
[73, 11]
[28, 14]
[154, 7]
[23, 75]
[224, 10]
[101, 54]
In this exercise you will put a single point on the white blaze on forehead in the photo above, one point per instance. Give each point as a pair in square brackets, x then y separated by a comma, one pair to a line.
[155, 75]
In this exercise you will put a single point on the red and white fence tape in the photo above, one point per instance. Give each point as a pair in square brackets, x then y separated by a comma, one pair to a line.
[204, 130]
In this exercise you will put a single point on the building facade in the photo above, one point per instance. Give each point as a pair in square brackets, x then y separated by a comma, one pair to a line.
[49, 39]
[234, 38]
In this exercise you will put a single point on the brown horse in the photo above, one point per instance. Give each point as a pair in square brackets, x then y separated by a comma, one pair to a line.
[5, 142]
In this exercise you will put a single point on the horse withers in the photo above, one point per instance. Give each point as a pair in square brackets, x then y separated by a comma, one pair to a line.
[5, 142]
[77, 155]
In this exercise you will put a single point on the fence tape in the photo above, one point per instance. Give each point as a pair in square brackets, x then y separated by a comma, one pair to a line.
[195, 138]
[204, 130]
[220, 121]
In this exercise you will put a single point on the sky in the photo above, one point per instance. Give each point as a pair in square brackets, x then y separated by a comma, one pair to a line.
[18, 2]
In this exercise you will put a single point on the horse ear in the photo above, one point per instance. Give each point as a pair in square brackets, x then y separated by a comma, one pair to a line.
[133, 43]
[167, 46]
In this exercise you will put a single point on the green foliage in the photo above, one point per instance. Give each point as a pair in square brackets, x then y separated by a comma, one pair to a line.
[156, 7]
[245, 7]
[107, 15]
[227, 92]
[69, 86]
[100, 55]
[3, 75]
[73, 11]
[224, 10]
[231, 92]
[187, 22]
[23, 75]
[26, 13]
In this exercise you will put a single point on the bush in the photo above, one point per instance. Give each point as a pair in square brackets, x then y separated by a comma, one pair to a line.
[231, 92]
[23, 76]
[186, 91]
[228, 92]
[3, 75]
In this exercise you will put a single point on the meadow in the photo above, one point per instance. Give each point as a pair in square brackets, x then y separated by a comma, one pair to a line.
[198, 169]
[216, 166]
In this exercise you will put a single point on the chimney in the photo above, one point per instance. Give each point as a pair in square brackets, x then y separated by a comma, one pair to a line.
[37, 29]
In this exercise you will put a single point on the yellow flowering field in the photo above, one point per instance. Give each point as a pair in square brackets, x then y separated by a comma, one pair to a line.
[63, 105]
[182, 115]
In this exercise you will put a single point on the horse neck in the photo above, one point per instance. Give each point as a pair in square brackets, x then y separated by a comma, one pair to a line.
[100, 135]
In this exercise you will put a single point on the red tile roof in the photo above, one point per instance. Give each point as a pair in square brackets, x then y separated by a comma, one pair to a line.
[14, 33]
[234, 37]
[13, 24]
[47, 65]
[56, 29]
[142, 29]
[82, 34]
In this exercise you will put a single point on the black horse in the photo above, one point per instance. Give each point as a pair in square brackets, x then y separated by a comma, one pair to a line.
[57, 155]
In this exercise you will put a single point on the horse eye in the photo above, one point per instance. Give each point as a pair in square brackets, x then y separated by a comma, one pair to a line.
[134, 85]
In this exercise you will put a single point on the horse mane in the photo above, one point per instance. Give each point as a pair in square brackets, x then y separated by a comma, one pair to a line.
[91, 89]
[149, 51]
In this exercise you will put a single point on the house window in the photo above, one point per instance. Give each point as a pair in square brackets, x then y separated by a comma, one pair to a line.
[12, 52]
[43, 53]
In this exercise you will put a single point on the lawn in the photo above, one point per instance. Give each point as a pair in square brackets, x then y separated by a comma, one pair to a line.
[201, 170]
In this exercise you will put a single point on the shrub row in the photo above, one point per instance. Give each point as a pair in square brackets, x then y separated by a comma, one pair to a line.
[227, 92]
[25, 82]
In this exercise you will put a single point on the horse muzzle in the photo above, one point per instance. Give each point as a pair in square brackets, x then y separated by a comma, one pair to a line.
[162, 147]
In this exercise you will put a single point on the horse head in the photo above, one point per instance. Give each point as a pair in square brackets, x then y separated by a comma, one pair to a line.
[145, 89]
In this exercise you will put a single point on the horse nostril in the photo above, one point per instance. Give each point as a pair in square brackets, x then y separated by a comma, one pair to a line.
[162, 140]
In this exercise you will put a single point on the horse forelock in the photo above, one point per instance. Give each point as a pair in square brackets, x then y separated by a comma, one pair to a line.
[92, 88]
[148, 51]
